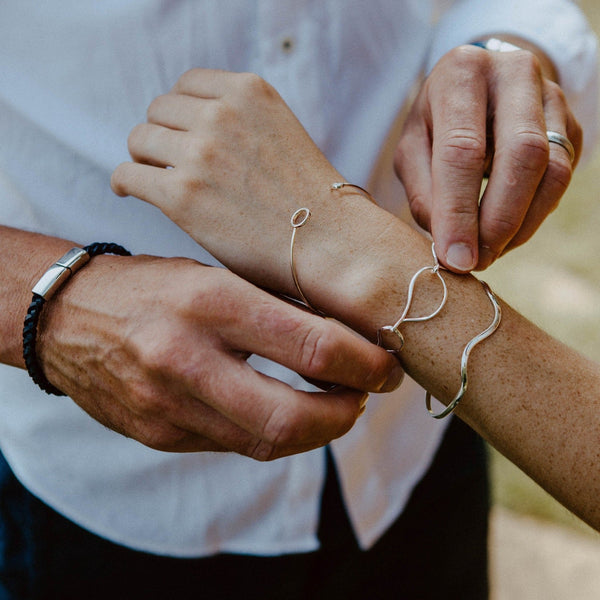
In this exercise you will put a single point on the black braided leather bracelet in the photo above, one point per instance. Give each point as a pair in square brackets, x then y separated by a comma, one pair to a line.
[43, 290]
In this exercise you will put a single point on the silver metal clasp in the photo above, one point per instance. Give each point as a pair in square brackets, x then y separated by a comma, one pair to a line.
[60, 271]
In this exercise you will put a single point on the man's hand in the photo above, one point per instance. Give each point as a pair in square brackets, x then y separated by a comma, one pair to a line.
[156, 349]
[481, 111]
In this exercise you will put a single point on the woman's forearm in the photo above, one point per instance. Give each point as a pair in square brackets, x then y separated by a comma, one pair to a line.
[532, 397]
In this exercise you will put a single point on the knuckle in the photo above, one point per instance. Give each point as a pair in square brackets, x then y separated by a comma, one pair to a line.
[465, 56]
[526, 63]
[463, 148]
[213, 296]
[552, 88]
[500, 228]
[222, 115]
[188, 78]
[155, 107]
[164, 437]
[558, 175]
[202, 149]
[279, 431]
[316, 351]
[418, 207]
[118, 179]
[459, 213]
[210, 152]
[145, 401]
[253, 86]
[186, 188]
[136, 136]
[263, 451]
[531, 150]
[461, 67]
[158, 352]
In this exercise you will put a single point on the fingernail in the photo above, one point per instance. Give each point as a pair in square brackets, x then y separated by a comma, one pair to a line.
[394, 379]
[363, 402]
[363, 405]
[460, 257]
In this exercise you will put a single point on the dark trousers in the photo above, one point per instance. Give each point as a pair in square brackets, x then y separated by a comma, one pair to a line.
[436, 549]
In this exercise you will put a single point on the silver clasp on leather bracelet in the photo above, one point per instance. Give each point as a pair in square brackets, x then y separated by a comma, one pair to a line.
[60, 271]
[48, 284]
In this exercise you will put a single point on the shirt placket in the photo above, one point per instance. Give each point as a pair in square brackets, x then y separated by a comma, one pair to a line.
[289, 49]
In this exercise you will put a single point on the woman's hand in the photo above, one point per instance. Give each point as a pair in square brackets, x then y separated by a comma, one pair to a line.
[224, 157]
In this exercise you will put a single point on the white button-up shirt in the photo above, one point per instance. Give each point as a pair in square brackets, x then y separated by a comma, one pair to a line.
[75, 77]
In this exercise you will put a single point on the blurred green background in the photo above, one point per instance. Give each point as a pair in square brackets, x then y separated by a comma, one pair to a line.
[555, 281]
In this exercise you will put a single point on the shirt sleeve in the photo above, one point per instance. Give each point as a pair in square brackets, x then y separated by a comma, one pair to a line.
[558, 27]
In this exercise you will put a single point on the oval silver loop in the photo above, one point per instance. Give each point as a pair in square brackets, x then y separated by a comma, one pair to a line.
[300, 217]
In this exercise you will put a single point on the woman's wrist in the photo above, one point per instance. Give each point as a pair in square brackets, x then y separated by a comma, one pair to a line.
[356, 268]
[368, 289]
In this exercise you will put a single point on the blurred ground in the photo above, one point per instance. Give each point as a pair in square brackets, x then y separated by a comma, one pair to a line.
[538, 549]
[535, 560]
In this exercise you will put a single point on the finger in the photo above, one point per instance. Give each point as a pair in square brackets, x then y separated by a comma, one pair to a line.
[236, 413]
[559, 169]
[175, 111]
[269, 410]
[156, 145]
[204, 83]
[317, 348]
[228, 437]
[142, 181]
[520, 154]
[459, 112]
[412, 163]
[162, 435]
[560, 118]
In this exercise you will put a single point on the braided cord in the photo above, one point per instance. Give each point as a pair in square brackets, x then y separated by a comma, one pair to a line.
[30, 326]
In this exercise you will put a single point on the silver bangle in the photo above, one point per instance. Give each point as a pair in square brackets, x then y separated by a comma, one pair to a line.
[299, 218]
[343, 184]
[389, 336]
[464, 380]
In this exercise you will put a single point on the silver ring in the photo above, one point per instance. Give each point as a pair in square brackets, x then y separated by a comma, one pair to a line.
[556, 138]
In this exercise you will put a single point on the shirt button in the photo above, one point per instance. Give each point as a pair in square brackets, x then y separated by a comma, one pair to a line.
[287, 44]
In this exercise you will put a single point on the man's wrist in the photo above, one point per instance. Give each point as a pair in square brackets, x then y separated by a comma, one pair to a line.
[504, 41]
[25, 257]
